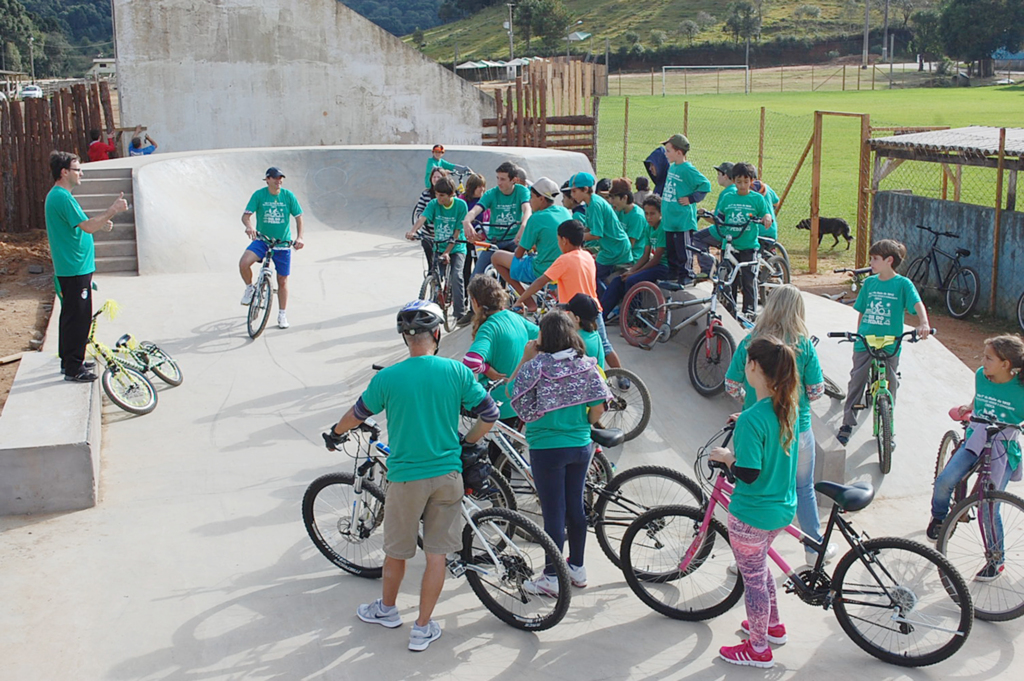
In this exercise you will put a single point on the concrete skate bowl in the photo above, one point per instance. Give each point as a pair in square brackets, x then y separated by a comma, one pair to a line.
[188, 206]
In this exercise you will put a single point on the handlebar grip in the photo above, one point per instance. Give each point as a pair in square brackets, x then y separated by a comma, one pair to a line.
[837, 334]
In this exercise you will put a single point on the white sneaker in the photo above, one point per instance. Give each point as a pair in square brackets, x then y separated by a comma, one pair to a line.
[419, 638]
[247, 296]
[578, 576]
[282, 320]
[546, 585]
[812, 556]
[733, 568]
[376, 613]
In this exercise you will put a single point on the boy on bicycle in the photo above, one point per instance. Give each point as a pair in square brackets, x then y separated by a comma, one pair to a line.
[735, 209]
[436, 161]
[509, 204]
[883, 300]
[446, 213]
[273, 206]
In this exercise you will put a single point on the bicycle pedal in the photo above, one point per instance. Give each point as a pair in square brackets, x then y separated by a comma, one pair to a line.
[456, 567]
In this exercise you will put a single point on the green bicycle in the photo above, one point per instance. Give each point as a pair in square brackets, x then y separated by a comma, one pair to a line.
[879, 398]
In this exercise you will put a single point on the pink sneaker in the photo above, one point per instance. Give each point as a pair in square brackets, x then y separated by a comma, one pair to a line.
[776, 634]
[744, 654]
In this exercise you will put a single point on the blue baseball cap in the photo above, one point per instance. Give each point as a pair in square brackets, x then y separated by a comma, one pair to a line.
[274, 172]
[581, 180]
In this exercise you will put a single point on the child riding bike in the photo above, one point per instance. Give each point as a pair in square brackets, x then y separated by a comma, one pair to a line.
[445, 213]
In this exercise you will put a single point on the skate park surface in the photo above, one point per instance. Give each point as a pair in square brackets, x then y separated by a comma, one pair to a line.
[195, 564]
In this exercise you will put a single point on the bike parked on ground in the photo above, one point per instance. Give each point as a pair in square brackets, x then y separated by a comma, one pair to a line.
[960, 283]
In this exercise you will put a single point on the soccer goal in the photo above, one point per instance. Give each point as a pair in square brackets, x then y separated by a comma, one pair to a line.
[702, 80]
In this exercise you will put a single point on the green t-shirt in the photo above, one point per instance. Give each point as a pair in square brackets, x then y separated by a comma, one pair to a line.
[423, 397]
[681, 180]
[273, 212]
[71, 248]
[769, 502]
[435, 163]
[506, 211]
[635, 224]
[595, 348]
[1004, 401]
[500, 342]
[807, 365]
[771, 198]
[612, 240]
[736, 211]
[658, 241]
[882, 305]
[447, 223]
[541, 232]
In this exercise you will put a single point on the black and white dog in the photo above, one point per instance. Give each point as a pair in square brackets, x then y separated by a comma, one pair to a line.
[837, 227]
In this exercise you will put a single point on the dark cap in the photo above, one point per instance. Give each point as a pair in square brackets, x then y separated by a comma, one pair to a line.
[603, 185]
[725, 168]
[274, 172]
[679, 142]
[583, 306]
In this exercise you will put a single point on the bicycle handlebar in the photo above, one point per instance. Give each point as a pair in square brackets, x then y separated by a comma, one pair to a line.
[991, 422]
[851, 336]
[929, 229]
[857, 271]
[274, 243]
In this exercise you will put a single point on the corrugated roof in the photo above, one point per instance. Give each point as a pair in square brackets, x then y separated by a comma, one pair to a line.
[976, 140]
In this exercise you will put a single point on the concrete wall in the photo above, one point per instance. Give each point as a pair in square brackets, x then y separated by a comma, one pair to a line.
[252, 73]
[896, 216]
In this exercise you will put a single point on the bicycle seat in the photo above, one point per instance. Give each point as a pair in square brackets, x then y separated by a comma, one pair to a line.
[670, 285]
[847, 497]
[607, 437]
[963, 252]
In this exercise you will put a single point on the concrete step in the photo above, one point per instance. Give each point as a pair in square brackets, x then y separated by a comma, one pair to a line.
[99, 202]
[123, 248]
[106, 265]
[127, 217]
[93, 171]
[104, 185]
[123, 231]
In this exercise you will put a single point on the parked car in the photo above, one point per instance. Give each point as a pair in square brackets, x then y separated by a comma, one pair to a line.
[31, 92]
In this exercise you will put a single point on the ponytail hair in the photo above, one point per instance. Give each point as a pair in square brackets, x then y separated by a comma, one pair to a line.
[778, 362]
[490, 298]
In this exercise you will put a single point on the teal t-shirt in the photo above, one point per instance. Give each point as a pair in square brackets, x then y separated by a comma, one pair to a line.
[635, 224]
[506, 211]
[768, 503]
[1004, 401]
[771, 198]
[658, 241]
[595, 348]
[541, 232]
[681, 180]
[273, 213]
[71, 249]
[882, 305]
[807, 365]
[423, 397]
[500, 342]
[447, 223]
[612, 240]
[736, 211]
[435, 163]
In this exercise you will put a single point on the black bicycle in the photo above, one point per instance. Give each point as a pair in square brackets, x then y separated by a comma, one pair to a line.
[960, 283]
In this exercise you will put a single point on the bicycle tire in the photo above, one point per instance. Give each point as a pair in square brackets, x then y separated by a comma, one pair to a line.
[1020, 311]
[883, 436]
[773, 272]
[501, 589]
[924, 583]
[427, 288]
[642, 313]
[259, 308]
[962, 541]
[129, 389]
[498, 493]
[630, 406]
[327, 510]
[651, 554]
[962, 292]
[164, 366]
[832, 389]
[917, 272]
[635, 491]
[947, 447]
[709, 360]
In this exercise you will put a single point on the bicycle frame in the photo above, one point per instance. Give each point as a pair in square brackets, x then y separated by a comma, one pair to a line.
[932, 263]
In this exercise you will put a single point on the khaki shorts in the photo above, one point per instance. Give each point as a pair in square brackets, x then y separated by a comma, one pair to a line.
[438, 501]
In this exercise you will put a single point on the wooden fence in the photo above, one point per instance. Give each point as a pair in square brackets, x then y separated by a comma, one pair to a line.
[29, 131]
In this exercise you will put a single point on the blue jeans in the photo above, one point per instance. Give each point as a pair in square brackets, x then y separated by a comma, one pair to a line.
[959, 464]
[603, 273]
[806, 501]
[617, 288]
[602, 333]
[484, 258]
[560, 476]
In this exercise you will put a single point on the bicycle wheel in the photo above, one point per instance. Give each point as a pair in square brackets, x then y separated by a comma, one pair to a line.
[652, 550]
[162, 364]
[497, 566]
[348, 529]
[950, 443]
[629, 408]
[903, 602]
[599, 474]
[259, 308]
[635, 491]
[129, 389]
[428, 289]
[883, 434]
[917, 272]
[709, 360]
[497, 494]
[969, 538]
[832, 389]
[772, 273]
[962, 293]
[1020, 311]
[642, 314]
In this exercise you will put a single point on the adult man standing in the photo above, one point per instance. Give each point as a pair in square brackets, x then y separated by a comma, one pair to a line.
[272, 205]
[541, 233]
[70, 231]
[509, 204]
[423, 396]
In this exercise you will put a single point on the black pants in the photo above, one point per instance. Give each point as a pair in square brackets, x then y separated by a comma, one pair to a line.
[680, 260]
[746, 280]
[75, 320]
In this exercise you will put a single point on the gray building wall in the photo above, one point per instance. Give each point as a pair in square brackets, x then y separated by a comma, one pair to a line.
[243, 73]
[896, 216]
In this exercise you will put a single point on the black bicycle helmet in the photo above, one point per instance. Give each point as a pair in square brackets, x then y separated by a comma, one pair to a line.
[419, 316]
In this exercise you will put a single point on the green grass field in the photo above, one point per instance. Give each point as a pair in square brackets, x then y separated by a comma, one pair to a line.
[726, 128]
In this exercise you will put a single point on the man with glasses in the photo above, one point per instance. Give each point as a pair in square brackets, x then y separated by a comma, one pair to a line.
[70, 231]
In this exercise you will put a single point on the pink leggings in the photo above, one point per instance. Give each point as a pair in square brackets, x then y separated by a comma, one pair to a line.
[750, 546]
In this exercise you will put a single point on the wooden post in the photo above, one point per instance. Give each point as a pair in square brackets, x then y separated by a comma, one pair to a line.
[780, 78]
[858, 80]
[812, 77]
[864, 195]
[499, 114]
[760, 148]
[625, 137]
[544, 112]
[686, 117]
[844, 77]
[812, 261]
[796, 171]
[620, 82]
[597, 102]
[996, 233]
[718, 82]
[652, 81]
[958, 183]
[519, 111]
[872, 77]
[108, 109]
[684, 82]
[945, 182]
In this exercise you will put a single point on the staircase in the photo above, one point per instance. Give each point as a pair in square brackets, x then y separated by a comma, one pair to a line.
[116, 250]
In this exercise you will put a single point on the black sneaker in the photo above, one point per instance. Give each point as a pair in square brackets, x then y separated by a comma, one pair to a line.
[933, 529]
[465, 319]
[83, 376]
[989, 573]
[843, 436]
[85, 365]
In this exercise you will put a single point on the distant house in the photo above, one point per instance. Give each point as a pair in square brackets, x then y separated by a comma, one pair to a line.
[102, 68]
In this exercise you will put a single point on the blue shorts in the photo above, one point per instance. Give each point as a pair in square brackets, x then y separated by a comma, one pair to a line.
[282, 257]
[521, 269]
[603, 333]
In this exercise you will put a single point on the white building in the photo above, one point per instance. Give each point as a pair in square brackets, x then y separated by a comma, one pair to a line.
[103, 67]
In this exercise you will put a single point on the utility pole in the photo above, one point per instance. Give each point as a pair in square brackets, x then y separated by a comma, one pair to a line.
[32, 56]
[867, 29]
[511, 49]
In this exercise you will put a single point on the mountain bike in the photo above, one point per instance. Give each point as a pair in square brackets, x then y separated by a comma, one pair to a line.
[899, 600]
[983, 535]
[126, 387]
[263, 297]
[878, 398]
[437, 285]
[1020, 310]
[145, 356]
[960, 283]
[501, 548]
